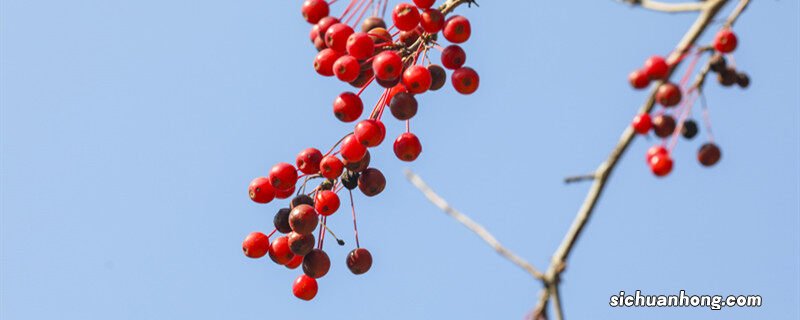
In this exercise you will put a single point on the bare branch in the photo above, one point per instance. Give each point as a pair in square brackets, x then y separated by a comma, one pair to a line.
[580, 178]
[555, 295]
[472, 225]
[666, 6]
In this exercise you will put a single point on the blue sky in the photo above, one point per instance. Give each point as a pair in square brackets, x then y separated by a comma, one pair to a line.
[130, 130]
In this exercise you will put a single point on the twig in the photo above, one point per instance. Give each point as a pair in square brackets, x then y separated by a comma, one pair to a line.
[583, 177]
[555, 295]
[471, 225]
[667, 7]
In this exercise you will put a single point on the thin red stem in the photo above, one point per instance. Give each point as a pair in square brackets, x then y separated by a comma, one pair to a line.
[355, 226]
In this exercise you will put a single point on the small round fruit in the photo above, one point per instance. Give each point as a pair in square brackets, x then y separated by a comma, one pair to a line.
[403, 106]
[661, 165]
[727, 77]
[301, 199]
[457, 29]
[303, 219]
[331, 167]
[301, 243]
[326, 202]
[417, 79]
[638, 79]
[281, 221]
[407, 147]
[709, 154]
[424, 4]
[350, 179]
[742, 80]
[294, 263]
[323, 26]
[316, 264]
[387, 65]
[465, 80]
[283, 176]
[689, 129]
[405, 16]
[641, 123]
[668, 95]
[346, 68]
[314, 10]
[255, 245]
[360, 45]
[359, 261]
[371, 182]
[348, 107]
[663, 125]
[380, 36]
[718, 63]
[351, 150]
[305, 287]
[336, 36]
[260, 190]
[284, 194]
[279, 251]
[308, 160]
[655, 150]
[372, 23]
[370, 133]
[359, 165]
[324, 61]
[438, 76]
[725, 41]
[432, 21]
[453, 57]
[656, 68]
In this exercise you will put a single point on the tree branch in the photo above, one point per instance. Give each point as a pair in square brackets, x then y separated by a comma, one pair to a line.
[471, 225]
[667, 7]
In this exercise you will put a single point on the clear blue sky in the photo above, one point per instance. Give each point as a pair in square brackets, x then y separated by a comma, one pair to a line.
[130, 130]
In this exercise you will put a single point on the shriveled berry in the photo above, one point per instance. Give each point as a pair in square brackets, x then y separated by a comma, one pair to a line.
[388, 65]
[424, 4]
[260, 190]
[351, 149]
[668, 95]
[316, 263]
[301, 243]
[348, 107]
[279, 251]
[656, 68]
[689, 129]
[281, 220]
[742, 80]
[336, 36]
[725, 41]
[417, 79]
[641, 123]
[350, 179]
[371, 182]
[326, 185]
[360, 45]
[405, 16]
[431, 20]
[283, 176]
[359, 261]
[346, 68]
[403, 106]
[372, 23]
[331, 167]
[308, 160]
[453, 57]
[438, 76]
[294, 263]
[457, 29]
[370, 132]
[324, 61]
[301, 199]
[255, 245]
[465, 80]
[305, 287]
[661, 165]
[407, 147]
[727, 77]
[359, 165]
[709, 154]
[663, 125]
[326, 202]
[303, 219]
[718, 63]
[314, 10]
[638, 79]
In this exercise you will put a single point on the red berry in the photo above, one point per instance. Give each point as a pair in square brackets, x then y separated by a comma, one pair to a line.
[641, 123]
[725, 41]
[303, 219]
[359, 261]
[326, 202]
[283, 176]
[351, 150]
[661, 164]
[371, 182]
[465, 80]
[709, 154]
[656, 68]
[336, 36]
[370, 132]
[431, 20]
[655, 150]
[283, 194]
[388, 65]
[261, 190]
[404, 106]
[395, 90]
[453, 57]
[279, 251]
[359, 165]
[301, 243]
[313, 10]
[295, 262]
[639, 79]
[348, 107]
[324, 24]
[417, 79]
[407, 147]
[308, 160]
[668, 95]
[360, 45]
[346, 68]
[316, 263]
[331, 167]
[424, 4]
[457, 29]
[324, 61]
[255, 245]
[405, 16]
[305, 287]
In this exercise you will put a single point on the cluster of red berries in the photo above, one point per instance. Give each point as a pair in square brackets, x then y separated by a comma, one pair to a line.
[399, 63]
[674, 105]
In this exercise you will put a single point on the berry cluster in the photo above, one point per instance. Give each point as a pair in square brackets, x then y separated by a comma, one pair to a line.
[397, 59]
[677, 100]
